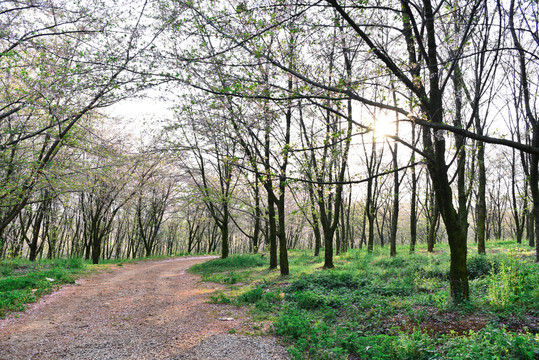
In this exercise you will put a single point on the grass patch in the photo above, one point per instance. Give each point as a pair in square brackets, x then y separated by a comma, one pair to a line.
[231, 277]
[233, 262]
[23, 282]
[376, 307]
[219, 298]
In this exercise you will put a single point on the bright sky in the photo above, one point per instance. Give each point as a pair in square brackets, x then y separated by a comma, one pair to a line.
[140, 117]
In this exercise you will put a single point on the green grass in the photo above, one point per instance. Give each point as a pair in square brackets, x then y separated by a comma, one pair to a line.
[233, 262]
[231, 277]
[22, 281]
[376, 307]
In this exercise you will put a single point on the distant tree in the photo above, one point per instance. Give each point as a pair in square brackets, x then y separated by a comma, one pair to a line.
[59, 61]
[151, 204]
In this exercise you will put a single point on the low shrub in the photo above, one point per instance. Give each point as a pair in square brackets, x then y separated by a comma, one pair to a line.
[74, 263]
[318, 341]
[14, 300]
[490, 343]
[323, 281]
[232, 277]
[269, 301]
[480, 265]
[219, 298]
[251, 296]
[505, 287]
[309, 300]
[293, 324]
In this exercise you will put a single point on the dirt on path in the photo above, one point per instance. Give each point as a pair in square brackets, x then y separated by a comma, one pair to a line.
[146, 310]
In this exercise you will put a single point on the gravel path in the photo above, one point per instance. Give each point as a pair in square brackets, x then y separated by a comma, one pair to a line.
[148, 310]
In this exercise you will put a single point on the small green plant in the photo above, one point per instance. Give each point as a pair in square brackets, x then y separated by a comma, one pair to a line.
[418, 315]
[309, 300]
[251, 296]
[219, 298]
[479, 266]
[292, 324]
[233, 278]
[504, 288]
[490, 343]
[269, 301]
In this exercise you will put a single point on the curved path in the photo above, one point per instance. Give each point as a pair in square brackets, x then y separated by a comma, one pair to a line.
[147, 310]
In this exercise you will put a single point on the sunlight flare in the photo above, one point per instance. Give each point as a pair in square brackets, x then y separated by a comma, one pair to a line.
[383, 125]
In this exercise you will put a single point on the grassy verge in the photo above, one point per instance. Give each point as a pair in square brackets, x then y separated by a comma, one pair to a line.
[376, 307]
[22, 281]
[232, 270]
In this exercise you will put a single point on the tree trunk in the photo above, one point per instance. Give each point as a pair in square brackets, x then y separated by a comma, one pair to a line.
[283, 251]
[258, 215]
[96, 248]
[413, 200]
[370, 216]
[272, 228]
[481, 199]
[224, 233]
[395, 212]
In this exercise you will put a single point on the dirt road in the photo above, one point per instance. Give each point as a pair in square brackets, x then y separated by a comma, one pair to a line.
[148, 310]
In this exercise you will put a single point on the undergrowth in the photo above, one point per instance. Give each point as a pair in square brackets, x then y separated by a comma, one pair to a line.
[233, 262]
[376, 307]
[23, 281]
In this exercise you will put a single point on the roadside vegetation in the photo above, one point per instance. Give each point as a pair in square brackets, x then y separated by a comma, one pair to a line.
[372, 306]
[23, 281]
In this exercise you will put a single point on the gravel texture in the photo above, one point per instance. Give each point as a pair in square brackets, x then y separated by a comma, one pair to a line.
[148, 310]
[238, 347]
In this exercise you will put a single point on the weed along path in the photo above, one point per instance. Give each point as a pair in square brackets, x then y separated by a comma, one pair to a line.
[145, 310]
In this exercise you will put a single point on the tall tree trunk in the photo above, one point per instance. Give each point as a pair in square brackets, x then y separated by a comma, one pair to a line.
[224, 233]
[316, 223]
[362, 240]
[534, 185]
[272, 227]
[519, 216]
[396, 183]
[370, 217]
[530, 228]
[481, 199]
[281, 233]
[413, 200]
[36, 228]
[258, 215]
[96, 247]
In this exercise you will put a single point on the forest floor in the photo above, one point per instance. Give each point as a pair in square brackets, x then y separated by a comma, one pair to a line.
[143, 310]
